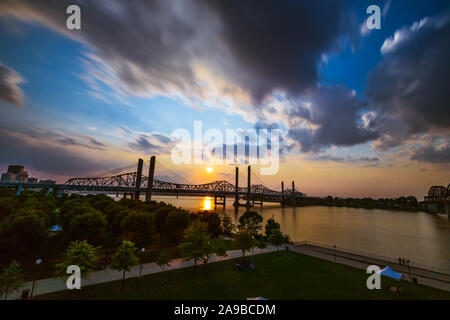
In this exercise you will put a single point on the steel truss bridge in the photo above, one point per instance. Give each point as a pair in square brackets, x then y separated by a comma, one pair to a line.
[439, 194]
[168, 182]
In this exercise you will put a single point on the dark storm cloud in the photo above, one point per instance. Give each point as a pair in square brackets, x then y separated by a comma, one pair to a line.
[53, 159]
[279, 43]
[348, 159]
[151, 46]
[432, 154]
[409, 89]
[156, 143]
[9, 89]
[334, 114]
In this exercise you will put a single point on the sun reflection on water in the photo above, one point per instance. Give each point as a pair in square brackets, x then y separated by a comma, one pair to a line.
[207, 203]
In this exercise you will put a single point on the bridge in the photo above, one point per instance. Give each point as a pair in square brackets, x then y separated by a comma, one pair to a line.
[168, 182]
[438, 194]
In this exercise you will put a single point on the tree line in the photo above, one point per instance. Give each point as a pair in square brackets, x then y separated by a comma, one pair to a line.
[97, 222]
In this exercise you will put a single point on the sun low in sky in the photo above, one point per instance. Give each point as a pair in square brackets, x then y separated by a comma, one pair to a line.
[209, 169]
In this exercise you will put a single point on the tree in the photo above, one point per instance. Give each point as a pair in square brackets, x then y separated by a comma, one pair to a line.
[226, 225]
[252, 221]
[82, 254]
[271, 224]
[244, 241]
[163, 260]
[277, 238]
[261, 244]
[90, 226]
[176, 223]
[124, 258]
[196, 244]
[213, 221]
[220, 248]
[21, 236]
[11, 279]
[138, 227]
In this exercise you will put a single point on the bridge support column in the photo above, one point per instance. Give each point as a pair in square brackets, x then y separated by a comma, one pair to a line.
[151, 173]
[19, 189]
[218, 202]
[282, 194]
[236, 188]
[249, 201]
[137, 193]
[293, 193]
[447, 209]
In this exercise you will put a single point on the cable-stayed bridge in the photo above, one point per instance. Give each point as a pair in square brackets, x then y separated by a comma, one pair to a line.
[160, 180]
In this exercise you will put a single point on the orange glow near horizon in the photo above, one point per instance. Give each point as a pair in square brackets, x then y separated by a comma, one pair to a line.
[209, 169]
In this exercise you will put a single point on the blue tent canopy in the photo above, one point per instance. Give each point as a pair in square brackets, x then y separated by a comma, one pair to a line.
[55, 228]
[388, 272]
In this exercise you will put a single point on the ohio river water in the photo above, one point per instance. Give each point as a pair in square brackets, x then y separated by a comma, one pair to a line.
[417, 236]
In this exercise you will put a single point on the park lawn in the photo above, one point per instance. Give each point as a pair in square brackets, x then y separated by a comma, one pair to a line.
[288, 275]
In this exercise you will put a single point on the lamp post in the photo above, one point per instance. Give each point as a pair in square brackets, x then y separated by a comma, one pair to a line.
[140, 272]
[334, 251]
[409, 271]
[38, 262]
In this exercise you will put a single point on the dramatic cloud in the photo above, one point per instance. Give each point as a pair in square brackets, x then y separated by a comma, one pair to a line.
[408, 90]
[9, 86]
[433, 152]
[329, 116]
[349, 159]
[35, 149]
[224, 54]
[152, 143]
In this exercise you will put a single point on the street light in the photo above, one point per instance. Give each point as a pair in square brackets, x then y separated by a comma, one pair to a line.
[409, 271]
[334, 250]
[38, 262]
[140, 272]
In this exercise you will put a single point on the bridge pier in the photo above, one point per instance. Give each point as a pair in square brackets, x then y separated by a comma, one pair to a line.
[447, 209]
[137, 185]
[293, 193]
[19, 189]
[218, 202]
[248, 204]
[236, 188]
[151, 173]
[255, 201]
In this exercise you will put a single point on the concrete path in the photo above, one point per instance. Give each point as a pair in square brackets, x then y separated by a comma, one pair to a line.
[425, 277]
[59, 283]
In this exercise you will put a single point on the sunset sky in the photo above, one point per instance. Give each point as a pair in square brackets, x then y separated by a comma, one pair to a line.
[362, 112]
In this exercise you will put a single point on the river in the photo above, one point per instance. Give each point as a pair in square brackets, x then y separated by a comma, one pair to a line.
[420, 237]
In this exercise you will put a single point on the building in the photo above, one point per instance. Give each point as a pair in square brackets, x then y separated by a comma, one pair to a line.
[16, 173]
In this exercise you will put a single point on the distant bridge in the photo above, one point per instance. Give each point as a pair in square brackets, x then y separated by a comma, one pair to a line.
[134, 183]
[439, 194]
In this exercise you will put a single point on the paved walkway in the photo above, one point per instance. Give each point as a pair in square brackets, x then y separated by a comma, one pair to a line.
[425, 277]
[59, 283]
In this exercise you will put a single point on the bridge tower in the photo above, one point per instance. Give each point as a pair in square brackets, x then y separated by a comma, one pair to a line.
[137, 193]
[236, 188]
[293, 193]
[151, 173]
[249, 202]
[282, 193]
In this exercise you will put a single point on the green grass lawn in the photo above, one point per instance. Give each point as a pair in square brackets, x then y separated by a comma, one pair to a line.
[288, 275]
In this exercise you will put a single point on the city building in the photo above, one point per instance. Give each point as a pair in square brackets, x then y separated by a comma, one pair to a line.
[16, 173]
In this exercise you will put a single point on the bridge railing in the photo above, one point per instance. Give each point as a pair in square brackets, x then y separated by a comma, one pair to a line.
[373, 256]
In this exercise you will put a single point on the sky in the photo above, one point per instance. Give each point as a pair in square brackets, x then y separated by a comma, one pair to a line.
[362, 113]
